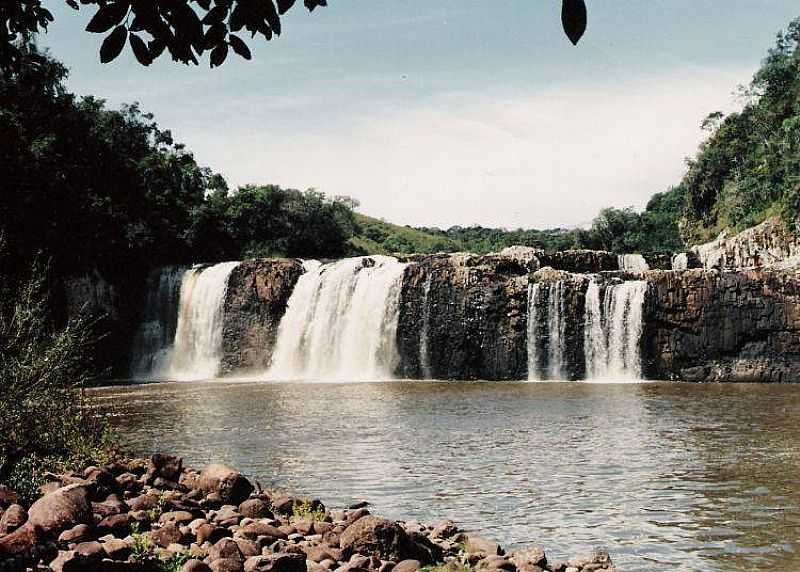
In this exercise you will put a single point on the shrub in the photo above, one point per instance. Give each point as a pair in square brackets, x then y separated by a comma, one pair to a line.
[46, 422]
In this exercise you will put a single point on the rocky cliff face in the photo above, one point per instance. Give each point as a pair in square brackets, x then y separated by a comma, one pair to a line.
[769, 244]
[464, 317]
[732, 326]
[258, 291]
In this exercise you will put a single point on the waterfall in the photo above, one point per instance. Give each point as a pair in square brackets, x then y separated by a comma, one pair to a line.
[341, 322]
[534, 367]
[197, 351]
[557, 326]
[680, 261]
[547, 330]
[424, 343]
[152, 343]
[613, 331]
[594, 340]
[632, 263]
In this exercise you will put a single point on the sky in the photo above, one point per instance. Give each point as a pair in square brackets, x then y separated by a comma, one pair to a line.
[453, 112]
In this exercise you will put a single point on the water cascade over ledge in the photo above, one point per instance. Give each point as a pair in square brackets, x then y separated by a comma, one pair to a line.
[194, 350]
[341, 322]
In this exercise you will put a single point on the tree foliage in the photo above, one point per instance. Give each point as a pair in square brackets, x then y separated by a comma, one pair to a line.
[749, 167]
[185, 29]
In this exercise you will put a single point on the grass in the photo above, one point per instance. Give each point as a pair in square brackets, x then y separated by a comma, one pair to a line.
[306, 511]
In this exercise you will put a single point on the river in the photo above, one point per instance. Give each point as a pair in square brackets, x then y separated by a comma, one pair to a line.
[667, 476]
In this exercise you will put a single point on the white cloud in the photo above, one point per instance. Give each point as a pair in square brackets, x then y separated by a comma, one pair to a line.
[541, 159]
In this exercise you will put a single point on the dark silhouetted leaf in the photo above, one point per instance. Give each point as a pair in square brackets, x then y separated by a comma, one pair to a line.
[218, 55]
[72, 4]
[205, 4]
[140, 50]
[284, 5]
[573, 17]
[272, 17]
[216, 15]
[239, 46]
[237, 20]
[108, 16]
[156, 48]
[113, 44]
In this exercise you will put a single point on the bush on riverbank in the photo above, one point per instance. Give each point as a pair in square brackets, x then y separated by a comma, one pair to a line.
[46, 423]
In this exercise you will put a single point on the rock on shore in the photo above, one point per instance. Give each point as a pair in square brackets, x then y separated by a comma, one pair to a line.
[156, 515]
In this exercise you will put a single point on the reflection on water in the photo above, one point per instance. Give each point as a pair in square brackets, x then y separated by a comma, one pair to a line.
[668, 476]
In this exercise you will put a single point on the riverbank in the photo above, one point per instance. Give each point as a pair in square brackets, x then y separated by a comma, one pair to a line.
[157, 515]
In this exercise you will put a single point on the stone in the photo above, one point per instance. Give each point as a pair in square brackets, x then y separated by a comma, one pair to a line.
[256, 529]
[166, 535]
[91, 550]
[479, 545]
[248, 548]
[143, 502]
[387, 539]
[444, 529]
[78, 533]
[255, 508]
[195, 566]
[209, 532]
[167, 467]
[117, 524]
[178, 517]
[276, 563]
[117, 549]
[7, 497]
[226, 548]
[13, 518]
[226, 565]
[60, 510]
[526, 559]
[407, 566]
[228, 483]
[285, 504]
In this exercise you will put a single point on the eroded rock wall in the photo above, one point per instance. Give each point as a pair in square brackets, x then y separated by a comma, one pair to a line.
[472, 310]
[256, 299]
[723, 326]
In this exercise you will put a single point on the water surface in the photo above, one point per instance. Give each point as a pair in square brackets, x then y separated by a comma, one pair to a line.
[667, 476]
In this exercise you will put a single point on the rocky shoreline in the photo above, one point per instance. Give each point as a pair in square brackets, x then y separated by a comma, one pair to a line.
[155, 515]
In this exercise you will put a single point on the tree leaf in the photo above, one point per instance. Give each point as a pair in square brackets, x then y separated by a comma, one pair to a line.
[273, 19]
[218, 55]
[239, 46]
[140, 50]
[284, 5]
[573, 17]
[113, 44]
[72, 4]
[205, 4]
[108, 16]
[216, 15]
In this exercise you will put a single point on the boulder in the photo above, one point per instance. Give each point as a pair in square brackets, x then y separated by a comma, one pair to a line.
[195, 566]
[167, 467]
[226, 565]
[79, 533]
[166, 535]
[276, 563]
[407, 566]
[254, 508]
[482, 546]
[60, 510]
[225, 548]
[381, 537]
[529, 559]
[258, 528]
[13, 518]
[228, 483]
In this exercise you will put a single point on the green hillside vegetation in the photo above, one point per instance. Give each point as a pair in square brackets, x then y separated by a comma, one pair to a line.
[749, 168]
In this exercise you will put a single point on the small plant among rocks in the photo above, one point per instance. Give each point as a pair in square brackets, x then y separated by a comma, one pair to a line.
[307, 511]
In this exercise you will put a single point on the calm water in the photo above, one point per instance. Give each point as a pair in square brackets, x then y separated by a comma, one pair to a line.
[667, 476]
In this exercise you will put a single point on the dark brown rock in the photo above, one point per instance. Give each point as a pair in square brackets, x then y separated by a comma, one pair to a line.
[167, 467]
[256, 529]
[60, 510]
[385, 538]
[254, 508]
[226, 565]
[166, 535]
[276, 563]
[13, 518]
[407, 566]
[225, 548]
[79, 533]
[228, 483]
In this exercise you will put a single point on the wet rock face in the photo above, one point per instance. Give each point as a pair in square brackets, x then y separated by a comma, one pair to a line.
[258, 291]
[733, 326]
[473, 312]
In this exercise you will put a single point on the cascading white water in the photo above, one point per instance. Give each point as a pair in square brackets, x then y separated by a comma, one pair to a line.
[424, 342]
[197, 350]
[341, 322]
[612, 334]
[557, 322]
[680, 261]
[632, 263]
[594, 336]
[533, 332]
